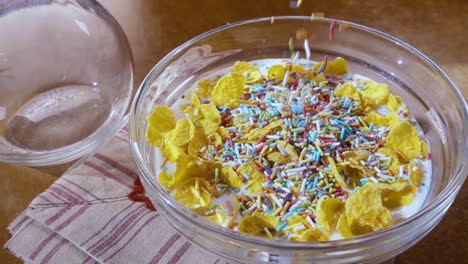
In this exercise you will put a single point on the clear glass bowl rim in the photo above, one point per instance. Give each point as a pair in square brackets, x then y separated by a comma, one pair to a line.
[454, 183]
[91, 142]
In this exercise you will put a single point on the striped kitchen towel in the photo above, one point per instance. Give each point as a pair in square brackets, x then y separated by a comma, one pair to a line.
[86, 216]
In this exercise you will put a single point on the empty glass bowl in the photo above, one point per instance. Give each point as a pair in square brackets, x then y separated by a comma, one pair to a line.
[432, 97]
[66, 78]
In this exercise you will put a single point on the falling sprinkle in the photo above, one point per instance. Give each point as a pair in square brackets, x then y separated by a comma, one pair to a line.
[331, 33]
[307, 48]
[291, 45]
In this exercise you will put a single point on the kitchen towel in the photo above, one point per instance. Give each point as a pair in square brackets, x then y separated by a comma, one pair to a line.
[97, 213]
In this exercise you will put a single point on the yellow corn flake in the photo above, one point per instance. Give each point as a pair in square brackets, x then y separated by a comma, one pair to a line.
[217, 218]
[229, 87]
[192, 194]
[278, 157]
[375, 94]
[354, 174]
[223, 132]
[236, 210]
[339, 66]
[165, 180]
[297, 68]
[198, 141]
[397, 194]
[392, 119]
[288, 148]
[188, 167]
[357, 155]
[347, 90]
[205, 87]
[171, 151]
[257, 133]
[424, 149]
[210, 118]
[365, 212]
[329, 211]
[336, 174]
[319, 78]
[182, 133]
[276, 72]
[393, 164]
[311, 235]
[255, 177]
[343, 228]
[404, 139]
[160, 121]
[416, 173]
[393, 102]
[295, 220]
[300, 230]
[251, 72]
[215, 139]
[230, 177]
[195, 99]
[255, 223]
[379, 120]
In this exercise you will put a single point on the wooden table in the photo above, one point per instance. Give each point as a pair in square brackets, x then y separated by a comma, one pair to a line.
[155, 27]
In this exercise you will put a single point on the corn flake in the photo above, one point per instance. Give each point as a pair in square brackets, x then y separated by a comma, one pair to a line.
[182, 133]
[195, 100]
[276, 156]
[255, 223]
[257, 133]
[198, 141]
[375, 94]
[165, 179]
[337, 67]
[255, 177]
[311, 235]
[276, 72]
[229, 87]
[354, 169]
[160, 121]
[329, 211]
[250, 72]
[389, 120]
[289, 149]
[205, 87]
[365, 212]
[416, 173]
[397, 194]
[336, 173]
[424, 148]
[215, 139]
[393, 164]
[404, 139]
[188, 167]
[171, 151]
[343, 228]
[211, 118]
[217, 218]
[230, 177]
[319, 78]
[223, 132]
[393, 102]
[192, 194]
[347, 90]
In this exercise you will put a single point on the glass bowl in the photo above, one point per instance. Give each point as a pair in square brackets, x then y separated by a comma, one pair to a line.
[432, 97]
[66, 77]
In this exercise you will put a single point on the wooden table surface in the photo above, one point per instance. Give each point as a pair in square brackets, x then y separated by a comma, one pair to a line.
[155, 27]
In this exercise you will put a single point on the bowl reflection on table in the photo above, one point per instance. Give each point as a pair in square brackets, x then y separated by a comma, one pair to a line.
[431, 96]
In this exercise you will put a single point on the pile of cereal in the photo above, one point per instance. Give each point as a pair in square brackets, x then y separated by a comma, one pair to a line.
[301, 152]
